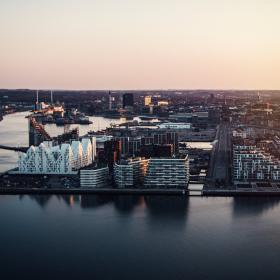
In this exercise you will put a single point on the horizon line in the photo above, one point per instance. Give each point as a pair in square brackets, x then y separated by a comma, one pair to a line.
[140, 89]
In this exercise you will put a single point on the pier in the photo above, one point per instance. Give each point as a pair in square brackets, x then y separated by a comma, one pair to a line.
[15, 149]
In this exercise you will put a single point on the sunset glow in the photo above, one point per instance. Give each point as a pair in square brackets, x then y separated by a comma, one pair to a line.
[127, 44]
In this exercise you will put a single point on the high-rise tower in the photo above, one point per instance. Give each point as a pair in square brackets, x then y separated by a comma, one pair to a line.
[128, 100]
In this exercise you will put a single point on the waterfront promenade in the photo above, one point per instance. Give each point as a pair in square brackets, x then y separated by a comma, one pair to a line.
[115, 191]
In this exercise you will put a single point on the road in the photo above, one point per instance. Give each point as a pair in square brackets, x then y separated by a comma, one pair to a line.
[220, 161]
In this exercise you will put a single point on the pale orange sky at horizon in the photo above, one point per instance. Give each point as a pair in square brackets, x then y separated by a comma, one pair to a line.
[148, 44]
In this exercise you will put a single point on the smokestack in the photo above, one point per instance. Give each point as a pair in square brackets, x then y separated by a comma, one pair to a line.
[37, 100]
[110, 101]
[51, 97]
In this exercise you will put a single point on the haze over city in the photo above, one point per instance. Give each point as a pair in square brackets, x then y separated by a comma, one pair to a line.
[124, 44]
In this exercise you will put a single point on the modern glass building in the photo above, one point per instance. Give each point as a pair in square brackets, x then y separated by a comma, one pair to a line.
[130, 173]
[167, 173]
[94, 177]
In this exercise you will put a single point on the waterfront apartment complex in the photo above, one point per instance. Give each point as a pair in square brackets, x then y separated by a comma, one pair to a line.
[167, 173]
[94, 177]
[164, 172]
[254, 164]
[130, 172]
[60, 159]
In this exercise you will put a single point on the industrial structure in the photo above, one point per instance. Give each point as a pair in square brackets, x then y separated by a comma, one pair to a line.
[37, 132]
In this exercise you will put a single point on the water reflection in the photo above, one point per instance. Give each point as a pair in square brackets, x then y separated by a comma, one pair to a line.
[253, 206]
[166, 205]
[94, 201]
[172, 237]
[164, 208]
[168, 211]
[42, 200]
[160, 206]
[70, 200]
[126, 204]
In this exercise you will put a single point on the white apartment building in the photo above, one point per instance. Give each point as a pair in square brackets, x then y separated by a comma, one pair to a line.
[253, 164]
[62, 159]
[167, 173]
[94, 177]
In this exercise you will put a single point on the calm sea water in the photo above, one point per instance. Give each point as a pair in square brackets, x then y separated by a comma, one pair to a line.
[134, 237]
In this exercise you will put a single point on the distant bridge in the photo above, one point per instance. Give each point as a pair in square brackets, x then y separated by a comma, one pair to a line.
[15, 149]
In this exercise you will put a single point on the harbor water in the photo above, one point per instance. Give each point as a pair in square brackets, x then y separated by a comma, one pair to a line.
[135, 237]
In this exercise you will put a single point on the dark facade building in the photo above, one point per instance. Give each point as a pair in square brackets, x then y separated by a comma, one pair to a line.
[158, 151]
[133, 139]
[130, 145]
[161, 137]
[112, 152]
[128, 100]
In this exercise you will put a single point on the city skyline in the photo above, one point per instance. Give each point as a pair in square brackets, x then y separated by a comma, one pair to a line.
[140, 44]
[139, 139]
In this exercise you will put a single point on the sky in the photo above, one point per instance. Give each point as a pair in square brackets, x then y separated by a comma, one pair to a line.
[140, 44]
